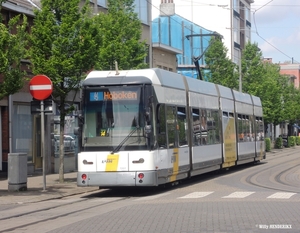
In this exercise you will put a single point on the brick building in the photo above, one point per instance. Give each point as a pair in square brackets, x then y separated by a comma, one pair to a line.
[293, 71]
[10, 9]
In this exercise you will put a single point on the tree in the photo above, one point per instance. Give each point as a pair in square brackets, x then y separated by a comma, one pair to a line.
[222, 70]
[12, 51]
[64, 44]
[121, 34]
[264, 80]
[260, 79]
[290, 97]
[253, 69]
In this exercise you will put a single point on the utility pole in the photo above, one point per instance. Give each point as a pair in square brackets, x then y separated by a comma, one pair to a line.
[240, 73]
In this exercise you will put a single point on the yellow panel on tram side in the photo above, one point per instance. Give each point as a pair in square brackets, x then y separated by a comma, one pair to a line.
[175, 161]
[229, 148]
[261, 152]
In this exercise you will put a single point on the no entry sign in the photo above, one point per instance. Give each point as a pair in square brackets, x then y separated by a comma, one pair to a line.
[40, 87]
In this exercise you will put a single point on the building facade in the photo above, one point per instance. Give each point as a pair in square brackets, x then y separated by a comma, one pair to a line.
[20, 129]
[293, 71]
[178, 42]
[15, 117]
[229, 18]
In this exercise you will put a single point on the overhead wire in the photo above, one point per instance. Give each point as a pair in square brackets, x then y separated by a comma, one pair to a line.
[256, 31]
[254, 19]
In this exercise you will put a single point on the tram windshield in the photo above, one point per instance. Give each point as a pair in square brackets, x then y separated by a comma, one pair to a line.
[114, 118]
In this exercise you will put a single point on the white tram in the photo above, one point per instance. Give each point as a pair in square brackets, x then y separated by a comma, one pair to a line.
[150, 127]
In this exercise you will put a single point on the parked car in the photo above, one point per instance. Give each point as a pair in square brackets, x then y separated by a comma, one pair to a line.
[69, 143]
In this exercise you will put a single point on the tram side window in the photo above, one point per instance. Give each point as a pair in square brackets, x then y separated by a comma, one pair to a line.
[217, 126]
[171, 132]
[206, 127]
[245, 128]
[251, 128]
[182, 126]
[196, 127]
[213, 129]
[203, 127]
[259, 129]
[240, 127]
[161, 139]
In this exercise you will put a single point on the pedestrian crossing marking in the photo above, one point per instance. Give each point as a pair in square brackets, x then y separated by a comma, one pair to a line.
[147, 198]
[197, 195]
[233, 195]
[239, 195]
[280, 195]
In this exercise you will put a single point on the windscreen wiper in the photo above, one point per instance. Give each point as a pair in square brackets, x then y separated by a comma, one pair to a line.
[124, 140]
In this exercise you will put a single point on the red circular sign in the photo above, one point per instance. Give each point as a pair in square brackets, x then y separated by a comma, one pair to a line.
[40, 87]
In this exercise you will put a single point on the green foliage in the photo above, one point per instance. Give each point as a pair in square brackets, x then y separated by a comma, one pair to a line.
[121, 32]
[297, 140]
[268, 144]
[223, 70]
[291, 141]
[290, 98]
[279, 96]
[12, 51]
[64, 45]
[278, 143]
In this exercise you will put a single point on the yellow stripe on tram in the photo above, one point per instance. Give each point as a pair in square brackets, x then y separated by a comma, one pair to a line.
[112, 162]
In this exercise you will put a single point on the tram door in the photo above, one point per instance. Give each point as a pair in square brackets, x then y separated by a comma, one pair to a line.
[36, 140]
[173, 145]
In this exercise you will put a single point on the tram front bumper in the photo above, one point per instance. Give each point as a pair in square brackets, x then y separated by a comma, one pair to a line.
[117, 179]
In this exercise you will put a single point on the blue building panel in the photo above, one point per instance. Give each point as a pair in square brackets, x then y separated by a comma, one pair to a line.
[187, 50]
[164, 31]
[176, 32]
[155, 31]
[173, 31]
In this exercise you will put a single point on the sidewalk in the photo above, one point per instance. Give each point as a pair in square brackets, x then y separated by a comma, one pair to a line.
[35, 192]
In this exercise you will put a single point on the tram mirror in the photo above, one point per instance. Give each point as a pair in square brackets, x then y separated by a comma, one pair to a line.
[77, 130]
[150, 100]
[148, 129]
[147, 117]
[81, 118]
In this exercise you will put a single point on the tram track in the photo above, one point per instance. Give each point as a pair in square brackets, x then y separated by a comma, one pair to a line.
[67, 207]
[274, 177]
[79, 207]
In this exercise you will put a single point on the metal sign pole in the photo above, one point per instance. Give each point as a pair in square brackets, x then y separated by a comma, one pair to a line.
[40, 87]
[43, 144]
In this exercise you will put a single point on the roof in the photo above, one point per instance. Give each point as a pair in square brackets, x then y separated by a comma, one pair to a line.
[20, 6]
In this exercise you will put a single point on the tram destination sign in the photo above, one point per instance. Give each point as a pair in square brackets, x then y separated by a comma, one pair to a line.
[114, 95]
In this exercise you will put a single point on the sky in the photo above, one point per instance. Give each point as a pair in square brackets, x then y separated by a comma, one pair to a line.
[275, 26]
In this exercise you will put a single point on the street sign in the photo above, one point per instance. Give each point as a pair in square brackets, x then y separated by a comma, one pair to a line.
[49, 107]
[40, 87]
